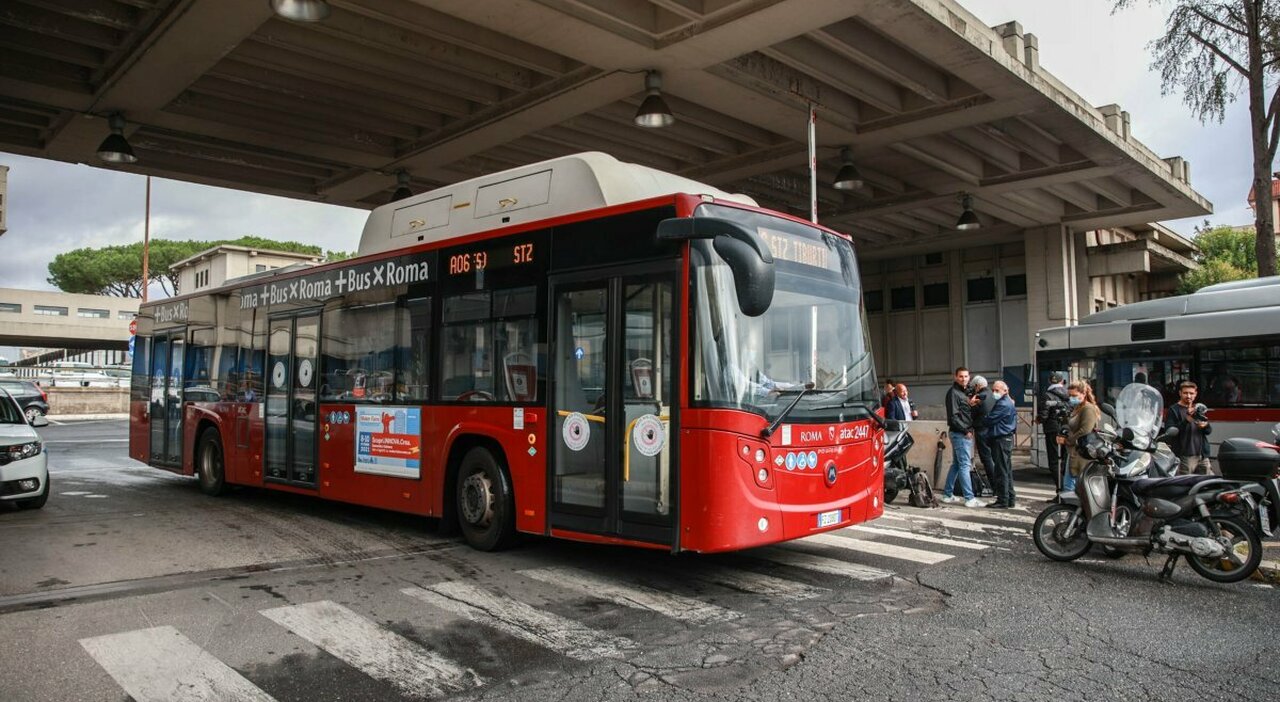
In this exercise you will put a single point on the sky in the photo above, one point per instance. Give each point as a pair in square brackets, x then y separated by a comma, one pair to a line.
[56, 207]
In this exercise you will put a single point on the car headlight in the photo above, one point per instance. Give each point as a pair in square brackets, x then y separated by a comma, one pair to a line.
[21, 451]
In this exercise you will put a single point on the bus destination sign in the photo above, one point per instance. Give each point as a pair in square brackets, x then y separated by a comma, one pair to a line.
[403, 270]
[799, 249]
[499, 257]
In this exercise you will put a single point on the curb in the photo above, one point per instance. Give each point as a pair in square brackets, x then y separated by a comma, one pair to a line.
[1267, 572]
[85, 417]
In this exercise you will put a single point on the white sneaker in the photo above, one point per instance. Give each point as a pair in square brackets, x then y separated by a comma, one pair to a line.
[971, 502]
[951, 499]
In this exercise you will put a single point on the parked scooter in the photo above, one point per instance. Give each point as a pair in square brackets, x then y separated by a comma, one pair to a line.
[897, 474]
[1179, 516]
[1250, 460]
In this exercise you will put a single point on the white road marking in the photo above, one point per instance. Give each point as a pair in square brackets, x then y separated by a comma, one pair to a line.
[1003, 515]
[161, 664]
[378, 653]
[923, 538]
[73, 493]
[86, 441]
[761, 584]
[878, 548]
[94, 497]
[952, 523]
[564, 636]
[1043, 493]
[821, 564]
[637, 596]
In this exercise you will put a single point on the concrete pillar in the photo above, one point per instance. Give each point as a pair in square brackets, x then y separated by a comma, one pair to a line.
[1111, 117]
[1031, 51]
[1011, 36]
[1057, 278]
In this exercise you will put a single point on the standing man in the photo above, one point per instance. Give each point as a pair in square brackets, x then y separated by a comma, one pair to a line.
[981, 403]
[889, 393]
[1191, 445]
[960, 430]
[999, 427]
[1056, 393]
[901, 408]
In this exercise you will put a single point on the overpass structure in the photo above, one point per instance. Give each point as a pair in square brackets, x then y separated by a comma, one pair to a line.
[65, 320]
[934, 107]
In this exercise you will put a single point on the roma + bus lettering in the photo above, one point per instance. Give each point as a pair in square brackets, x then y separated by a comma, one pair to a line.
[320, 286]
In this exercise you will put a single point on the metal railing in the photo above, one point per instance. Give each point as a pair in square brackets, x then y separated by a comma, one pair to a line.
[70, 375]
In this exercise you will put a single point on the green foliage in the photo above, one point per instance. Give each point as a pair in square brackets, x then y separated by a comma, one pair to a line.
[1226, 253]
[117, 270]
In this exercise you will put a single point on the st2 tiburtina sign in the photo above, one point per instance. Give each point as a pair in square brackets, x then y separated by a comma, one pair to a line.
[402, 270]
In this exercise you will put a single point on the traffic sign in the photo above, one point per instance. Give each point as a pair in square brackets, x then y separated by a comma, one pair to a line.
[133, 327]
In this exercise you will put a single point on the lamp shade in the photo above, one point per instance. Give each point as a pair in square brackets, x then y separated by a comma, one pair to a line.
[968, 220]
[848, 178]
[115, 149]
[301, 10]
[654, 113]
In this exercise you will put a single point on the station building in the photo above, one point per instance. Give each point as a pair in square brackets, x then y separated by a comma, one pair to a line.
[941, 115]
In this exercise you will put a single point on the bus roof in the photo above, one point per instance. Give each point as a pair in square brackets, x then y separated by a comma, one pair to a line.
[538, 191]
[1223, 297]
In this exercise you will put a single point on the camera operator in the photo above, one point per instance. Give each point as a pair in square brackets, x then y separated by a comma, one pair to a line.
[981, 402]
[1054, 408]
[1191, 419]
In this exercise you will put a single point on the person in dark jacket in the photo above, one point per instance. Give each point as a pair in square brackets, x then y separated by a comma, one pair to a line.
[889, 393]
[1057, 394]
[960, 431]
[1191, 445]
[998, 428]
[980, 403]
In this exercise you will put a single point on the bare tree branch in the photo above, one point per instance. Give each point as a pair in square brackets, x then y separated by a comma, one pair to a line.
[1215, 21]
[1219, 52]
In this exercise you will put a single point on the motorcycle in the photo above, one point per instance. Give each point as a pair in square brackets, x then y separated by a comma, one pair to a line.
[897, 474]
[1252, 461]
[1115, 505]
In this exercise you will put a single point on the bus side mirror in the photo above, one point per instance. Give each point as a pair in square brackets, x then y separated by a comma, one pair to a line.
[746, 253]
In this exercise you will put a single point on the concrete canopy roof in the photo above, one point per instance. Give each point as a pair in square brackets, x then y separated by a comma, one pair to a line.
[932, 102]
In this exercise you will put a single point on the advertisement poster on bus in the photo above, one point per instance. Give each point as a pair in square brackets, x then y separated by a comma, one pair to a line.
[389, 441]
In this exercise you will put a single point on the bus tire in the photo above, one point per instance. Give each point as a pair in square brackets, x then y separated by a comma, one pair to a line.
[484, 501]
[211, 470]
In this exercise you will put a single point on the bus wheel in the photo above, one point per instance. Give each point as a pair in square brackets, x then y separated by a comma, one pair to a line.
[210, 467]
[486, 507]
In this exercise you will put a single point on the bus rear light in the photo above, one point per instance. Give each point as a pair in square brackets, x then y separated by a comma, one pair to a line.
[763, 524]
[762, 476]
[760, 456]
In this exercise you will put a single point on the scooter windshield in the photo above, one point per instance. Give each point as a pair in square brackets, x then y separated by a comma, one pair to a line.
[1139, 408]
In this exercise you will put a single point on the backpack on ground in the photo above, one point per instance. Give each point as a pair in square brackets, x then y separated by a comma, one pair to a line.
[921, 491]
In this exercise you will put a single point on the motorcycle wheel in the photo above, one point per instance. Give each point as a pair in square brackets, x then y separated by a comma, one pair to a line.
[890, 492]
[1048, 533]
[1245, 543]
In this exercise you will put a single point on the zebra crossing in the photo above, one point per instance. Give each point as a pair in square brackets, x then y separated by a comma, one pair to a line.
[704, 595]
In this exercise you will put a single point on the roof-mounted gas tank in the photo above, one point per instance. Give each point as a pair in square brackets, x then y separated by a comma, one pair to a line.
[538, 191]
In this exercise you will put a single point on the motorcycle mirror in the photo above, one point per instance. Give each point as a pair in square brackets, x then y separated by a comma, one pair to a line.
[1127, 434]
[1168, 434]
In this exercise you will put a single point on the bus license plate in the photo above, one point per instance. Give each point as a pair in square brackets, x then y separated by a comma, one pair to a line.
[829, 518]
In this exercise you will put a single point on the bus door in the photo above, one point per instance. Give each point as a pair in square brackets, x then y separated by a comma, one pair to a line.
[612, 405]
[167, 355]
[290, 408]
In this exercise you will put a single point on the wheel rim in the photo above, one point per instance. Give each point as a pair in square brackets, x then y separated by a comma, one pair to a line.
[477, 500]
[1237, 544]
[32, 413]
[1052, 532]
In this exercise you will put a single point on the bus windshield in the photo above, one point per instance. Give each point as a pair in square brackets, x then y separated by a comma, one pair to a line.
[814, 332]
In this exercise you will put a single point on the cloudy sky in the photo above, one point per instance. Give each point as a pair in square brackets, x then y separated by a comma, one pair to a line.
[54, 207]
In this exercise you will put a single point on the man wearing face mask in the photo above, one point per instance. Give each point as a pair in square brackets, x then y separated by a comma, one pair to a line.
[999, 426]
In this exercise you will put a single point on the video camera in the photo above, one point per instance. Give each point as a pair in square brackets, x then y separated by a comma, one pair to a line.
[1199, 413]
[1057, 412]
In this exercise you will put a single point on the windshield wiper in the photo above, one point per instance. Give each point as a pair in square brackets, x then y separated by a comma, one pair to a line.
[773, 426]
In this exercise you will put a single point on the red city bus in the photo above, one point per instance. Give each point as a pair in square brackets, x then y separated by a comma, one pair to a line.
[578, 348]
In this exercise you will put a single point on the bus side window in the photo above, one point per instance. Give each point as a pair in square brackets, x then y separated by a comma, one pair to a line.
[415, 351]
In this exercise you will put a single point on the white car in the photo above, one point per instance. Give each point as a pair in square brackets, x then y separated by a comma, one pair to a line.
[24, 466]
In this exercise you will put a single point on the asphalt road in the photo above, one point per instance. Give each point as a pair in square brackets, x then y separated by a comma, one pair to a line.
[130, 584]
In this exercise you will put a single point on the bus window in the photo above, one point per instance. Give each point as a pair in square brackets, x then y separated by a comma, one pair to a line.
[359, 353]
[414, 384]
[1234, 377]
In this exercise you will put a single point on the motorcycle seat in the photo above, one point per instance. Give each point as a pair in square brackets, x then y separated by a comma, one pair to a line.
[1169, 487]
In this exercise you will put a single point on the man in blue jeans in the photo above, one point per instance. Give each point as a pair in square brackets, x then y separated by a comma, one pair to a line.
[960, 429]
